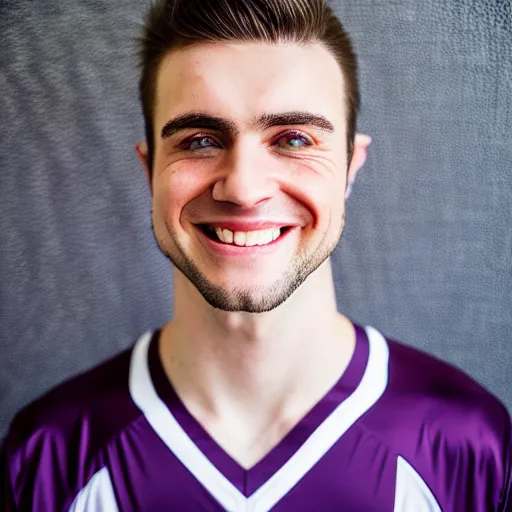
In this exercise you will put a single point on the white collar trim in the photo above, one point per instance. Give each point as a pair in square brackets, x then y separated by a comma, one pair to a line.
[367, 393]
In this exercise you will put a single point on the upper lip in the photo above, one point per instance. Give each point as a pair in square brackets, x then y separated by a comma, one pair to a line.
[247, 225]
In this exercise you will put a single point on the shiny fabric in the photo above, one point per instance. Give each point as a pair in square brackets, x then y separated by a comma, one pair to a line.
[454, 436]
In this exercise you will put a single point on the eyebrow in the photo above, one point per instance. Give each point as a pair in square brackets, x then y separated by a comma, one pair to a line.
[207, 121]
[295, 117]
[197, 120]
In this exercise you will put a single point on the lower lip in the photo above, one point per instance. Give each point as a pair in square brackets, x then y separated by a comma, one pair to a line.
[241, 251]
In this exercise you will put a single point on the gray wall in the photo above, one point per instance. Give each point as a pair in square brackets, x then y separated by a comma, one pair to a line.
[427, 252]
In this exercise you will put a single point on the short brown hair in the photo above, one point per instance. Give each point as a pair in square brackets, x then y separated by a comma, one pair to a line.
[174, 24]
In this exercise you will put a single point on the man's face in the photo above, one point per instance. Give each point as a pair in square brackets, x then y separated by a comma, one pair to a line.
[250, 145]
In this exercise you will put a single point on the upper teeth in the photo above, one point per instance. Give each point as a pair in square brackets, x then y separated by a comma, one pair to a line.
[248, 238]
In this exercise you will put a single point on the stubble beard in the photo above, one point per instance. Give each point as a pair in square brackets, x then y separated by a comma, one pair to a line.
[252, 299]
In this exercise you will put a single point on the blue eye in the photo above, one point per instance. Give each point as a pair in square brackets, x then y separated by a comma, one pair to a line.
[199, 143]
[294, 141]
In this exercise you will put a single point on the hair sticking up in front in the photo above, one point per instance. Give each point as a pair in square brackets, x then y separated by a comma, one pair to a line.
[174, 24]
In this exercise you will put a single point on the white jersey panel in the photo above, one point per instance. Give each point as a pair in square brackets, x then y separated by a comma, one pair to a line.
[97, 495]
[411, 492]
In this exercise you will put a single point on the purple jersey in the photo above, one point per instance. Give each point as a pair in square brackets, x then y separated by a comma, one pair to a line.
[399, 432]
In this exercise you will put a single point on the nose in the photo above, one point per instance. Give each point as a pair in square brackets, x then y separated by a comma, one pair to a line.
[247, 178]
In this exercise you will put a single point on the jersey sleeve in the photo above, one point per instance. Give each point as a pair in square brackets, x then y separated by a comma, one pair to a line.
[7, 503]
[6, 492]
[506, 494]
[33, 470]
[465, 455]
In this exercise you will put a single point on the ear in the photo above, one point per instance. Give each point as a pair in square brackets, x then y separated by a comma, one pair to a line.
[142, 153]
[361, 144]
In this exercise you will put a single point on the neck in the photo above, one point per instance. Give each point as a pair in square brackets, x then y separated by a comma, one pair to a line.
[223, 363]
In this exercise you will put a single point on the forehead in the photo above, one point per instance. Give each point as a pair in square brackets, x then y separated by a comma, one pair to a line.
[244, 80]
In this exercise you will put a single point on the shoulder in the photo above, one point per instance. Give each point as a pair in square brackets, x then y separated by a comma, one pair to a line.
[58, 438]
[448, 428]
[98, 397]
[444, 396]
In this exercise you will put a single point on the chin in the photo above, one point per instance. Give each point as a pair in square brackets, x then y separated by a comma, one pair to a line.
[246, 304]
[251, 299]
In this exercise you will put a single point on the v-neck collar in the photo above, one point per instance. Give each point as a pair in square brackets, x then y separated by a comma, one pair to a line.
[259, 488]
[249, 480]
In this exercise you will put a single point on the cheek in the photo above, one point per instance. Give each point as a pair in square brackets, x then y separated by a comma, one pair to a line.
[323, 188]
[174, 188]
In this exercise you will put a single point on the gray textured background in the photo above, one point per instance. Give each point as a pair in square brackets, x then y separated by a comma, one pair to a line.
[427, 252]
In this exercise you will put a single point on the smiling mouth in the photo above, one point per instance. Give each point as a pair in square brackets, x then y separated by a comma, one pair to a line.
[243, 238]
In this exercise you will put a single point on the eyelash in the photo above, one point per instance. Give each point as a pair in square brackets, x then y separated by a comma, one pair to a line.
[292, 134]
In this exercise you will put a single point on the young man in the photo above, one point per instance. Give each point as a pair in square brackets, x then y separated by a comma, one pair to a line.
[258, 395]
